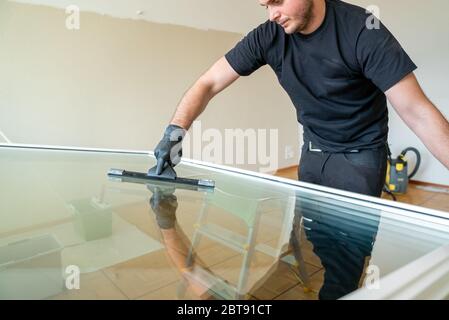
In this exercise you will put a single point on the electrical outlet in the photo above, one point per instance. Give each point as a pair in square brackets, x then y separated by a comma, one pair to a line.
[289, 152]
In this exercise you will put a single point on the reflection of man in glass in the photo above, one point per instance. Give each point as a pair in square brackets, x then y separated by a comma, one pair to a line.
[342, 239]
[164, 204]
[343, 242]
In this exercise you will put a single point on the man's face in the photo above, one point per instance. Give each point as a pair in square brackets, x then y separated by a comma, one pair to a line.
[292, 15]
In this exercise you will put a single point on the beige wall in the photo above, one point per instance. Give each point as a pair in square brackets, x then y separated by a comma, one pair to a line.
[116, 82]
[422, 27]
[199, 14]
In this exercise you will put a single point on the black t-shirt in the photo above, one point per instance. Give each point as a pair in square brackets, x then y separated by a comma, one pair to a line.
[336, 76]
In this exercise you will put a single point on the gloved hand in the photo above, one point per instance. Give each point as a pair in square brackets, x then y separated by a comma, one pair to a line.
[164, 204]
[169, 149]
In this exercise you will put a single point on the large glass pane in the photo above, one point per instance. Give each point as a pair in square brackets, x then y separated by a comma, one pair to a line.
[248, 238]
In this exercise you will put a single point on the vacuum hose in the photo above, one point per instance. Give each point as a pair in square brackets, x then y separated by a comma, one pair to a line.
[418, 160]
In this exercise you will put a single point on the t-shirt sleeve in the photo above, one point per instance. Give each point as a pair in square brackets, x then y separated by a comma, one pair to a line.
[382, 58]
[249, 54]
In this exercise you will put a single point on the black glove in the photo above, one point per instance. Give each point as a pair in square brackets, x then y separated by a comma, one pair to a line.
[169, 149]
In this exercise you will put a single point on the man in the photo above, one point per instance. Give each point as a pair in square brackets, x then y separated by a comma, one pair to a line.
[339, 74]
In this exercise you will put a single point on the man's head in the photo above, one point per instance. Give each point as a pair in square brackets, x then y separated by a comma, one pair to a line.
[292, 15]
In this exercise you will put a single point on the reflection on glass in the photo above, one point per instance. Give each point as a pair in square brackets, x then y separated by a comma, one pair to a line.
[164, 203]
[343, 242]
[249, 238]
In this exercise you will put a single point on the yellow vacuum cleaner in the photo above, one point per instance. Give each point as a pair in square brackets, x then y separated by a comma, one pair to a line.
[398, 177]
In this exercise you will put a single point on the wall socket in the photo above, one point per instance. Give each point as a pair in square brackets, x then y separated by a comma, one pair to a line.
[289, 152]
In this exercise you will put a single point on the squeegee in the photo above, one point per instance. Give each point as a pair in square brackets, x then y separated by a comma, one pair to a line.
[168, 175]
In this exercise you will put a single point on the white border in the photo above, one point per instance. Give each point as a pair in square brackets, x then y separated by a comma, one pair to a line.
[421, 279]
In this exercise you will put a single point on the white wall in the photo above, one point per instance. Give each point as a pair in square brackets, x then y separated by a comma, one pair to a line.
[422, 27]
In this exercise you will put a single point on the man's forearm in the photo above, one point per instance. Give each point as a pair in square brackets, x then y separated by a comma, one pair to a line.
[216, 79]
[419, 113]
[192, 104]
[433, 130]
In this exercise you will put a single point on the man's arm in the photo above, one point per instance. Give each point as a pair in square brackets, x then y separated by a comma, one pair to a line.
[419, 113]
[216, 79]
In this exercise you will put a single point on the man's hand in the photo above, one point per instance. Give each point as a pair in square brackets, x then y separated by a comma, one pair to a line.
[164, 204]
[421, 116]
[169, 149]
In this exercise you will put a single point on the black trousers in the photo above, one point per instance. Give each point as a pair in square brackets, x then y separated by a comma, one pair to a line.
[340, 240]
[362, 172]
